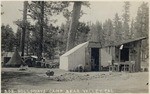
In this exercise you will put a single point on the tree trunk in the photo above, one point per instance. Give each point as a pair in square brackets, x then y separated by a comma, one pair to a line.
[40, 50]
[27, 42]
[24, 27]
[73, 25]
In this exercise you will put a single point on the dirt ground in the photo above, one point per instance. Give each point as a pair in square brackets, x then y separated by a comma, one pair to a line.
[35, 80]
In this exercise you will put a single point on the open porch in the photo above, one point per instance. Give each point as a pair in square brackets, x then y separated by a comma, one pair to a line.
[127, 56]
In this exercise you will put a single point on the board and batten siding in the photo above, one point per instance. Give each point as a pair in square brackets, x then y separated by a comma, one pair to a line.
[106, 56]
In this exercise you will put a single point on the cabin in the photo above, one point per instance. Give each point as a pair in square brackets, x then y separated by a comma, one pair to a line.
[93, 57]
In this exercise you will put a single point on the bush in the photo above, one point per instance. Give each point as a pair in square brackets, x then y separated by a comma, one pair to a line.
[49, 73]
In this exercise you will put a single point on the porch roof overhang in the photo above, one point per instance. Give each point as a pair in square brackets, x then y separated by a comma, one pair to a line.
[130, 41]
[98, 44]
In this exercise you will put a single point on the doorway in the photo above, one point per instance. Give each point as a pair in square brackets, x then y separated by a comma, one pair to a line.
[95, 59]
[124, 55]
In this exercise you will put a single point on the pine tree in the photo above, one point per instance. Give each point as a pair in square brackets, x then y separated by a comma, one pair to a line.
[41, 12]
[142, 26]
[73, 25]
[18, 38]
[108, 32]
[95, 33]
[142, 20]
[132, 30]
[24, 27]
[7, 38]
[82, 33]
[126, 19]
[117, 29]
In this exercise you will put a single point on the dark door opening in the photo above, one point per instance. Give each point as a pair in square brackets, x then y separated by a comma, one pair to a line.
[95, 59]
[124, 56]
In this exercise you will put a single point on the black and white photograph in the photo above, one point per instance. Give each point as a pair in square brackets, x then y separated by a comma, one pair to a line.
[75, 46]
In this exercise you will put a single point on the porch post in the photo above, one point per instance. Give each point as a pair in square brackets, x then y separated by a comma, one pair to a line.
[119, 55]
[138, 56]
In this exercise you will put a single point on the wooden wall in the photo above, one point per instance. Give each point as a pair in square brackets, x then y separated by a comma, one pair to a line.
[138, 56]
[134, 53]
[88, 59]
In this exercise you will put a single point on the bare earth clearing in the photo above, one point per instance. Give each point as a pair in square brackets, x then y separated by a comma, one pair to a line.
[35, 80]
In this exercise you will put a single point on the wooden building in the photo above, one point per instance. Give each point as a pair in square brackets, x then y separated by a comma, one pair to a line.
[93, 57]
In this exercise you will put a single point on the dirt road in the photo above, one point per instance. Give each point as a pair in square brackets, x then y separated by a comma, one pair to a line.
[35, 80]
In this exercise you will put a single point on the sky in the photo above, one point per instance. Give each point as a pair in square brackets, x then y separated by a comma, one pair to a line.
[98, 11]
